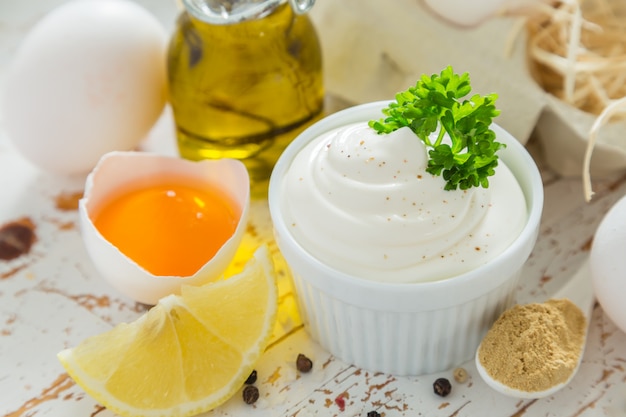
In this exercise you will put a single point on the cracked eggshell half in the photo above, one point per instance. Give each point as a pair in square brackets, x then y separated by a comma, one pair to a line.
[118, 173]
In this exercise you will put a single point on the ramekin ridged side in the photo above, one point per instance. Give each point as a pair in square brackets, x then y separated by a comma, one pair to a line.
[400, 343]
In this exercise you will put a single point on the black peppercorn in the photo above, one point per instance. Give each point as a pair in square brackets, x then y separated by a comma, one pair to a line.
[442, 387]
[303, 363]
[251, 378]
[373, 414]
[250, 394]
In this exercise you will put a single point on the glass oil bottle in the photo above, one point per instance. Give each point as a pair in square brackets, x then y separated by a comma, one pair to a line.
[245, 77]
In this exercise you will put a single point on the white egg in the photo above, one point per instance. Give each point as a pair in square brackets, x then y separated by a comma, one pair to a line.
[89, 78]
[608, 263]
[118, 173]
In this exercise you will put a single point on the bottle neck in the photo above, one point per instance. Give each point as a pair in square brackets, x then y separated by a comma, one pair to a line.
[223, 12]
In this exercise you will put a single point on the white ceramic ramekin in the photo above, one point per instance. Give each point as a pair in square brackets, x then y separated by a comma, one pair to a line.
[404, 329]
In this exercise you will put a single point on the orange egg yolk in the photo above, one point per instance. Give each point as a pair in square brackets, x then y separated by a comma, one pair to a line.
[169, 230]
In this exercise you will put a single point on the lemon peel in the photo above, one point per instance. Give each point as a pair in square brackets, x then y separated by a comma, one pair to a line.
[188, 354]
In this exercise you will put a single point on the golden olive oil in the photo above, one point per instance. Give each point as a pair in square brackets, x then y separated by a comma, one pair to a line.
[244, 90]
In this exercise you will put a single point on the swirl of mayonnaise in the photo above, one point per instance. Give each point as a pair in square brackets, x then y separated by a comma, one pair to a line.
[364, 204]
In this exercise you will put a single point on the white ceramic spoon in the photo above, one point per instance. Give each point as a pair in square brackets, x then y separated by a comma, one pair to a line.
[579, 290]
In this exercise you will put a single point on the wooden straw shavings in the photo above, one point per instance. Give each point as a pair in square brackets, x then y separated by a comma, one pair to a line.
[572, 47]
[577, 52]
[614, 108]
[598, 91]
[569, 82]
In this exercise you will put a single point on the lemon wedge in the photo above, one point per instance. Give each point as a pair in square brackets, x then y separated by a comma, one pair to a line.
[188, 354]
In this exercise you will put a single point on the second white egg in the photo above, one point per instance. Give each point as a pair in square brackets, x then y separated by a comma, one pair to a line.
[608, 263]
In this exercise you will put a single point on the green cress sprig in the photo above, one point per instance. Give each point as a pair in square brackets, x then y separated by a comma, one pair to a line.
[434, 105]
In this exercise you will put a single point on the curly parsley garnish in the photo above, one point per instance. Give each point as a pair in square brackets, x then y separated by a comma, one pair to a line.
[434, 105]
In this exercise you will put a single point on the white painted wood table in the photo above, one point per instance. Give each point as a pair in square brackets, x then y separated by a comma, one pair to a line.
[52, 298]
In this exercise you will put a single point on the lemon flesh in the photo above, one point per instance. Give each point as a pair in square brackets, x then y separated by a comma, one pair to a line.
[188, 354]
